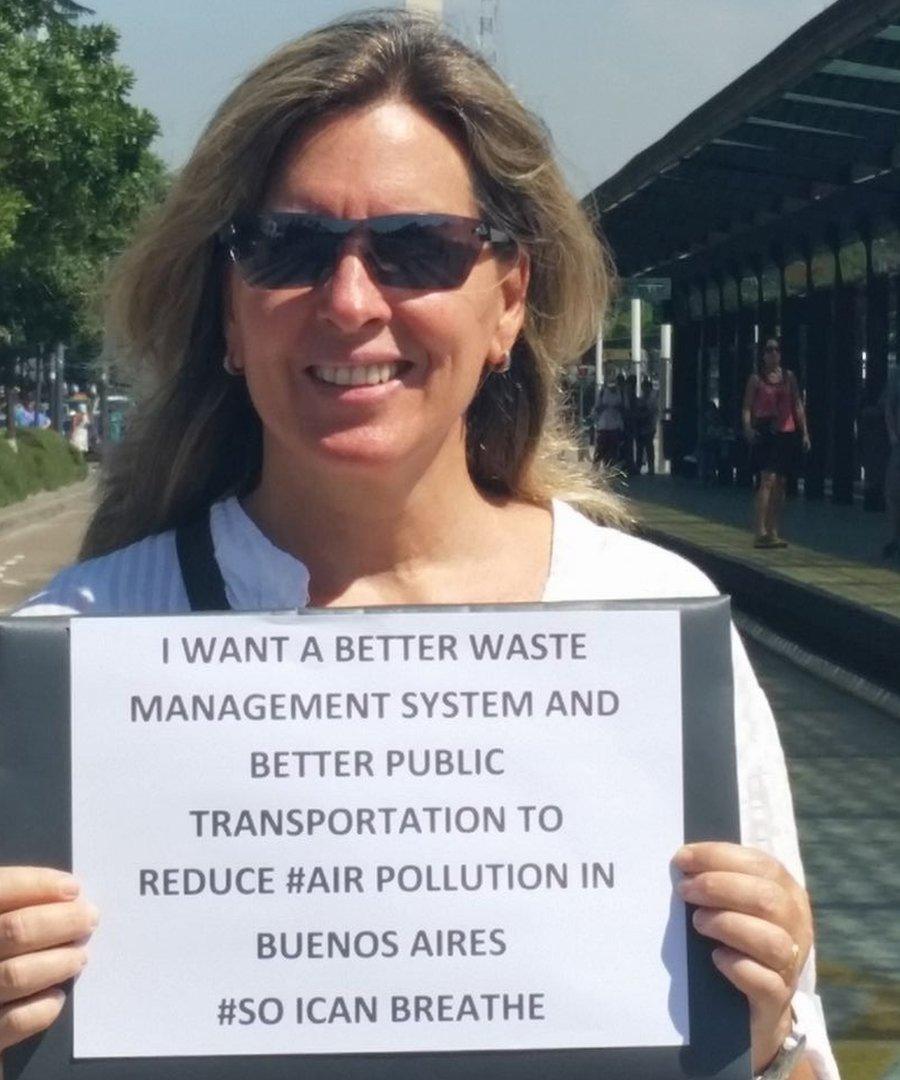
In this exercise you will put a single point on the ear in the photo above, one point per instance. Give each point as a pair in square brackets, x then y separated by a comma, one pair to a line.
[513, 293]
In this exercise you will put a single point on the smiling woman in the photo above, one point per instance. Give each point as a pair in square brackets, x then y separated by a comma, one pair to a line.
[284, 237]
[362, 365]
[353, 310]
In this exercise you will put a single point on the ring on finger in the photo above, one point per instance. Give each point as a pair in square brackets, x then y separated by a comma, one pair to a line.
[789, 971]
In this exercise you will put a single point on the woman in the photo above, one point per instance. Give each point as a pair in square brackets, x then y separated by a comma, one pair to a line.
[609, 422]
[772, 413]
[356, 303]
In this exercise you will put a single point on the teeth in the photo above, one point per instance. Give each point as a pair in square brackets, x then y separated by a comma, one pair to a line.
[358, 374]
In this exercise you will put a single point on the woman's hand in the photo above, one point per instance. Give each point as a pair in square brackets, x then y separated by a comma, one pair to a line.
[806, 442]
[747, 901]
[44, 924]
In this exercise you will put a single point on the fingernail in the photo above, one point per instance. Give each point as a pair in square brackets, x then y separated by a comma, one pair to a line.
[94, 915]
[684, 856]
[684, 886]
[68, 887]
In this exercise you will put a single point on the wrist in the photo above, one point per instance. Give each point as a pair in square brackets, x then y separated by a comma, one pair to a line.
[785, 1055]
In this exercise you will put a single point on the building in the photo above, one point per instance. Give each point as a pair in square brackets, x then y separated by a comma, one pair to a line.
[774, 208]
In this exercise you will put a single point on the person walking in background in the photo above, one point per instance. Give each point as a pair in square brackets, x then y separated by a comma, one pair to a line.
[646, 419]
[609, 422]
[630, 426]
[79, 436]
[892, 475]
[773, 415]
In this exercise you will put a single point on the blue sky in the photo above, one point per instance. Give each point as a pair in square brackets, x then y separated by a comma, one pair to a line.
[608, 76]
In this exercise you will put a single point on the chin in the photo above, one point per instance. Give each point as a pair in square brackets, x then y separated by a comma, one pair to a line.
[361, 453]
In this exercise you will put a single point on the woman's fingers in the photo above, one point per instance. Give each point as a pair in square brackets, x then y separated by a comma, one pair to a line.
[718, 855]
[762, 897]
[736, 878]
[23, 886]
[42, 915]
[763, 986]
[44, 926]
[749, 902]
[23, 976]
[760, 941]
[26, 1018]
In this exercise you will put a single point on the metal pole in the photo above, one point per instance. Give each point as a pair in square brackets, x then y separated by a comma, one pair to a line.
[38, 384]
[598, 359]
[636, 353]
[665, 393]
[59, 364]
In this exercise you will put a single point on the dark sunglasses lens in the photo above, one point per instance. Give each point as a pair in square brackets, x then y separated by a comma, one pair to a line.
[299, 255]
[421, 256]
[284, 251]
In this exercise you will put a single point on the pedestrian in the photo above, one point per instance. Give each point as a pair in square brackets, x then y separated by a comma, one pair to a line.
[630, 426]
[773, 418]
[79, 434]
[892, 474]
[356, 405]
[609, 422]
[646, 419]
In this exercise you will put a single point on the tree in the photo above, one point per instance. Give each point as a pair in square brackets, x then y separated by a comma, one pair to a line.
[31, 15]
[75, 169]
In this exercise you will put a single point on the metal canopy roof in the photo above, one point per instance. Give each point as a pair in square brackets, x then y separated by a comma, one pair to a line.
[805, 142]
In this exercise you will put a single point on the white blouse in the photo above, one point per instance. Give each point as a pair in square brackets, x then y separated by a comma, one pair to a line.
[588, 562]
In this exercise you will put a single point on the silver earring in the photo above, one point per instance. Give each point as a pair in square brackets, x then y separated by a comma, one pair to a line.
[228, 365]
[504, 365]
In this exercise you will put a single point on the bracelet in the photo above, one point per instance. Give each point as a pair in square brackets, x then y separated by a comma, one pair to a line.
[787, 1058]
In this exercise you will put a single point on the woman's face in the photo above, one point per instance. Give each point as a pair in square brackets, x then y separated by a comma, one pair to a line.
[771, 355]
[384, 159]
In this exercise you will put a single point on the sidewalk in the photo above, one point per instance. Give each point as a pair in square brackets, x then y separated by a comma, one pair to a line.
[829, 590]
[45, 504]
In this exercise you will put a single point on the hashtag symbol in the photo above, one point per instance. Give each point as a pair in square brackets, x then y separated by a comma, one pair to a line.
[295, 877]
[227, 1009]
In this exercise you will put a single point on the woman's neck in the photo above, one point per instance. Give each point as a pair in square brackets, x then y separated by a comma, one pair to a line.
[410, 539]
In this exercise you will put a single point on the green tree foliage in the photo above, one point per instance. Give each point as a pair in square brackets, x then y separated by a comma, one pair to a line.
[75, 168]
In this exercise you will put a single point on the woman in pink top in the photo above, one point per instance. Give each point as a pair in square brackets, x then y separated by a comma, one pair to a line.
[773, 413]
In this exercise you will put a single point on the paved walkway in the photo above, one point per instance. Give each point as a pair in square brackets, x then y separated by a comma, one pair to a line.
[38, 537]
[46, 504]
[844, 761]
[829, 589]
[835, 548]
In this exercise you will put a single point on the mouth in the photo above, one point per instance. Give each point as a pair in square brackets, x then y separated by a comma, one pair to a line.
[359, 374]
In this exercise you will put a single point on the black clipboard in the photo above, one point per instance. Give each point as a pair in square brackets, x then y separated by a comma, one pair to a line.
[35, 785]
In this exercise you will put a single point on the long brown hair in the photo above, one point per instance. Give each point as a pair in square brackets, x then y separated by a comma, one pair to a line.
[196, 437]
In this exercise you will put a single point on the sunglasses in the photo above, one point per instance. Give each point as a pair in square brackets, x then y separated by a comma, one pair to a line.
[278, 250]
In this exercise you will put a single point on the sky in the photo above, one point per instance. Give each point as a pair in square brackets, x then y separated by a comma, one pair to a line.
[609, 77]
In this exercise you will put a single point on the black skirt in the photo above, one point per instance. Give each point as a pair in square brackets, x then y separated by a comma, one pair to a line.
[776, 452]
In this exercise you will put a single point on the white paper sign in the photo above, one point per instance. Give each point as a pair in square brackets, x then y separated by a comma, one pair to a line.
[382, 832]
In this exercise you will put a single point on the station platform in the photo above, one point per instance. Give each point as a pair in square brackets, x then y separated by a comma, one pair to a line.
[829, 590]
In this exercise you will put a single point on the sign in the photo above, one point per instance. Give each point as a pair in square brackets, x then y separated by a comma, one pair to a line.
[653, 290]
[343, 835]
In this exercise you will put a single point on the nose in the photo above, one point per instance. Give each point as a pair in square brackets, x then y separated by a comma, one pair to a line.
[351, 298]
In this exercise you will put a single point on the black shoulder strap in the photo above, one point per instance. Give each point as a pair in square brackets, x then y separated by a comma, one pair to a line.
[203, 579]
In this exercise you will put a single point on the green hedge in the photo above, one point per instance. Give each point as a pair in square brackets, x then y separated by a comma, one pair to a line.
[43, 460]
